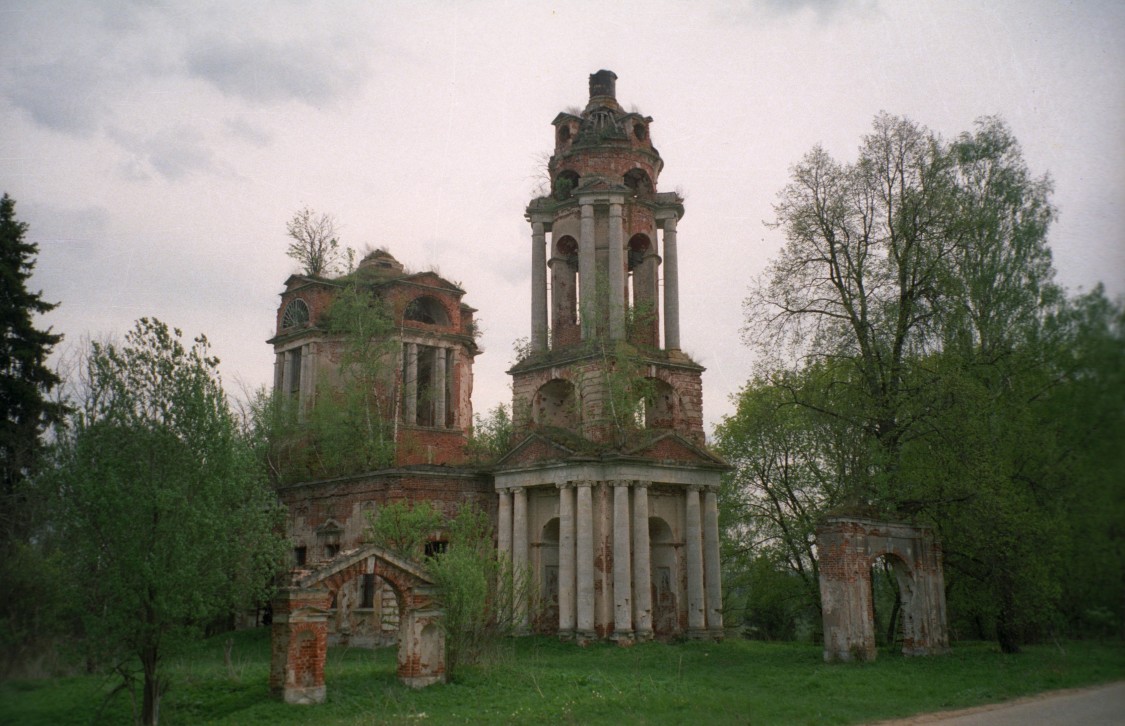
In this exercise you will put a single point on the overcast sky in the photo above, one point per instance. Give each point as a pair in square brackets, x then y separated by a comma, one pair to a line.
[157, 149]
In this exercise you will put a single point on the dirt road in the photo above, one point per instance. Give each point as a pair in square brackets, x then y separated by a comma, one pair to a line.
[1098, 706]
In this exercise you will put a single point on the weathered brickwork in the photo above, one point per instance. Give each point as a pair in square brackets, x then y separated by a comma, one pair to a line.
[846, 551]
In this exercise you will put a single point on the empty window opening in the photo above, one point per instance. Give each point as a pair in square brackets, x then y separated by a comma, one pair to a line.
[300, 556]
[639, 183]
[640, 132]
[436, 547]
[427, 310]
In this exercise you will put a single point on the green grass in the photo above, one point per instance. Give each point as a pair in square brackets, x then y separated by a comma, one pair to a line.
[540, 680]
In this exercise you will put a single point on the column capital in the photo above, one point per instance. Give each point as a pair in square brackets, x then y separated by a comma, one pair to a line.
[564, 485]
[586, 483]
[624, 483]
[695, 487]
[517, 490]
[543, 218]
[641, 484]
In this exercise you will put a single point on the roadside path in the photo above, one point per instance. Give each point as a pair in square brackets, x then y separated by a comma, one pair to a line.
[1097, 706]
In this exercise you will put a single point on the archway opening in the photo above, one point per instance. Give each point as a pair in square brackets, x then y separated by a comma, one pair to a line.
[666, 594]
[892, 588]
[547, 614]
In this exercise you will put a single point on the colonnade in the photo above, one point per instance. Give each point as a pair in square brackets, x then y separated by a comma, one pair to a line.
[632, 607]
[542, 222]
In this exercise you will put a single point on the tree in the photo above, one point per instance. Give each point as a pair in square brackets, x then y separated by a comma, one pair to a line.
[314, 244]
[25, 380]
[165, 513]
[912, 312]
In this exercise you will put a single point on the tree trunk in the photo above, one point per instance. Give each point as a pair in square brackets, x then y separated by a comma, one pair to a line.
[150, 708]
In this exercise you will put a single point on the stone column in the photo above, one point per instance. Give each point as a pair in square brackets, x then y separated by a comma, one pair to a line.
[622, 573]
[439, 388]
[711, 569]
[410, 386]
[584, 562]
[504, 523]
[642, 564]
[693, 541]
[566, 561]
[308, 376]
[279, 372]
[587, 273]
[671, 287]
[616, 273]
[538, 287]
[519, 552]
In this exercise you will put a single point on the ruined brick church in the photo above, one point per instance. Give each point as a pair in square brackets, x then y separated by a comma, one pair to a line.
[607, 494]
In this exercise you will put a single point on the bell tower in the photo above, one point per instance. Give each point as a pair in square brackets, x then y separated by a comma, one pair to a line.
[609, 473]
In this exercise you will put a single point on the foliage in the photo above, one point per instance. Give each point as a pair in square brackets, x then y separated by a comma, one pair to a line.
[26, 411]
[492, 434]
[404, 528]
[315, 244]
[478, 590]
[164, 512]
[543, 681]
[920, 364]
[349, 427]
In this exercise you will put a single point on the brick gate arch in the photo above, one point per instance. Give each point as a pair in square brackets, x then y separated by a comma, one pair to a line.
[846, 550]
[299, 635]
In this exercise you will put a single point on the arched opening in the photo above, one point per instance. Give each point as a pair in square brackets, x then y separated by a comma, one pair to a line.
[639, 183]
[426, 309]
[642, 293]
[565, 184]
[563, 134]
[564, 291]
[547, 616]
[556, 404]
[640, 132]
[665, 579]
[661, 405]
[892, 589]
[296, 314]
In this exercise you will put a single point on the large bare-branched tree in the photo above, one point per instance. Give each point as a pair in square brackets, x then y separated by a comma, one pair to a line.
[315, 243]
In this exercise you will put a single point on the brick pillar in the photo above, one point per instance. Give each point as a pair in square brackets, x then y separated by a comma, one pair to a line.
[520, 553]
[410, 386]
[671, 287]
[587, 273]
[642, 564]
[566, 561]
[538, 287]
[584, 562]
[622, 574]
[299, 645]
[711, 569]
[439, 388]
[693, 547]
[616, 272]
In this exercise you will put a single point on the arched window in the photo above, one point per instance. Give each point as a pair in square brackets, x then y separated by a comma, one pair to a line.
[637, 180]
[296, 315]
[426, 309]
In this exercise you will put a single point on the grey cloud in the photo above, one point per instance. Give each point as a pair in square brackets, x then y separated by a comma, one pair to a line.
[63, 96]
[242, 129]
[174, 153]
[263, 71]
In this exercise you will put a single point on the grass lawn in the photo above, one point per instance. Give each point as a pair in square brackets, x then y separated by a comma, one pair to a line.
[538, 680]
